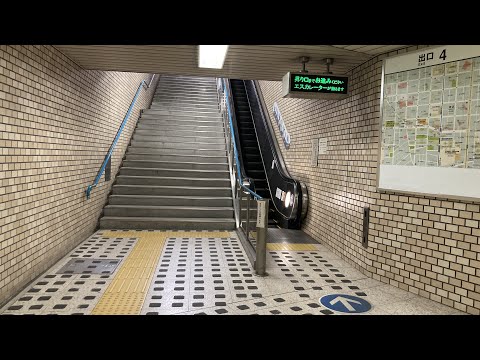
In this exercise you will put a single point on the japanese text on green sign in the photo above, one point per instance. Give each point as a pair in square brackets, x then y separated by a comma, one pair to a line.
[319, 83]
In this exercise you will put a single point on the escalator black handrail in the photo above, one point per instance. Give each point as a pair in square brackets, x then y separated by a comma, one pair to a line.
[241, 176]
[235, 134]
[282, 171]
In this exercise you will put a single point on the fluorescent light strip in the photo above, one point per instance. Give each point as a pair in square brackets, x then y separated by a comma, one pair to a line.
[212, 56]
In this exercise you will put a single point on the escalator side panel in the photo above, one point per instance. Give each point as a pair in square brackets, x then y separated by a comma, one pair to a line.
[250, 152]
[280, 182]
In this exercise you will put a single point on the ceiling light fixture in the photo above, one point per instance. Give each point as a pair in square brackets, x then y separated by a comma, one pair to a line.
[212, 56]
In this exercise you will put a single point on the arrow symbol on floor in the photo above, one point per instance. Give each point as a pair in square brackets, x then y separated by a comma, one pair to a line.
[345, 302]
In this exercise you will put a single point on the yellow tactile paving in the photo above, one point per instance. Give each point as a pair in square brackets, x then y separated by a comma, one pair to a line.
[291, 247]
[126, 293]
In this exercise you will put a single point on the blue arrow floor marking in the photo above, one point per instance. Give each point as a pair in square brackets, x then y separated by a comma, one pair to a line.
[345, 303]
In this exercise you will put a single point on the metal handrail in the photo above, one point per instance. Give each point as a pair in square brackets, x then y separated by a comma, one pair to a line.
[119, 132]
[237, 161]
[256, 253]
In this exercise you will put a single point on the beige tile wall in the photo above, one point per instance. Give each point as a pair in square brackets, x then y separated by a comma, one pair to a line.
[57, 122]
[429, 246]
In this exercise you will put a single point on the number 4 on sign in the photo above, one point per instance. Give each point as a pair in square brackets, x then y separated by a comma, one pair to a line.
[443, 54]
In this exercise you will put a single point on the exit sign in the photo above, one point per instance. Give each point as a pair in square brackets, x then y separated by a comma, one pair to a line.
[315, 86]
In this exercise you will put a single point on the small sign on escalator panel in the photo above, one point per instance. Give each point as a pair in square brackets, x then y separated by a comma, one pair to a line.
[261, 213]
[278, 193]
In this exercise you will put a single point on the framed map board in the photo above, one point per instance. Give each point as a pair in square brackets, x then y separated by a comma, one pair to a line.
[430, 123]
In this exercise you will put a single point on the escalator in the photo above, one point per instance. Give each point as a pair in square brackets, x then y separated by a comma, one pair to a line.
[261, 159]
[248, 146]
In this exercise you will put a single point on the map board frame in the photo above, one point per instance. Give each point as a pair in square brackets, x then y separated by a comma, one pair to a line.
[436, 181]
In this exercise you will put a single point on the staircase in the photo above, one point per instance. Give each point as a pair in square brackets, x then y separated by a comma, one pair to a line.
[175, 171]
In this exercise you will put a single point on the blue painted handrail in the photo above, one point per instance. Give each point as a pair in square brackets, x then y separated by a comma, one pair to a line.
[119, 132]
[255, 195]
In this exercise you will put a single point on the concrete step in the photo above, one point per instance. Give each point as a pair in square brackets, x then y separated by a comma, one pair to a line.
[192, 159]
[185, 111]
[180, 173]
[175, 165]
[161, 113]
[171, 181]
[194, 97]
[153, 223]
[181, 128]
[188, 84]
[170, 200]
[179, 139]
[168, 211]
[186, 104]
[181, 120]
[182, 108]
[188, 78]
[164, 151]
[196, 114]
[185, 86]
[161, 124]
[180, 133]
[205, 91]
[188, 101]
[209, 103]
[174, 145]
[150, 190]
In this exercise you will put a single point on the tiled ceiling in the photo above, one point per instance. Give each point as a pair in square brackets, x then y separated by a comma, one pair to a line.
[260, 62]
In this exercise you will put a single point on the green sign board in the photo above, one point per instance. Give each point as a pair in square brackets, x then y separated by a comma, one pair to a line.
[327, 84]
[319, 86]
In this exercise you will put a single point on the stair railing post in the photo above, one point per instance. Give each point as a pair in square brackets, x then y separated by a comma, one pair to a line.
[248, 217]
[261, 247]
[240, 198]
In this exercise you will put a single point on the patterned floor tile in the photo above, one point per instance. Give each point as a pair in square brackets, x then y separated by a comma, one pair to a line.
[208, 273]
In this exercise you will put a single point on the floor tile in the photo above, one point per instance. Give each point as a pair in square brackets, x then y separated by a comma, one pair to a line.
[201, 274]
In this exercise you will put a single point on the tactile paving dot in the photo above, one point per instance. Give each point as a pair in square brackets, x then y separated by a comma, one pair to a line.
[104, 247]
